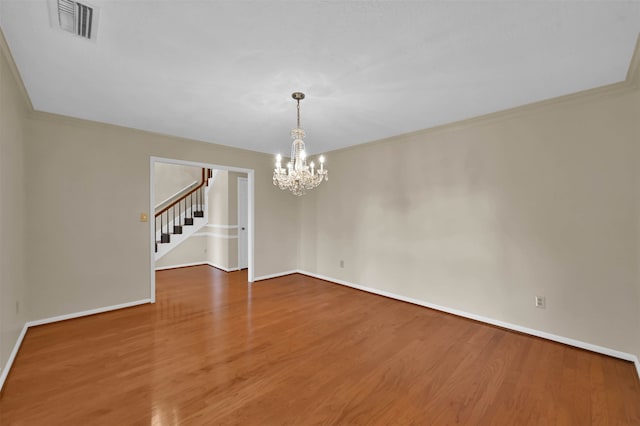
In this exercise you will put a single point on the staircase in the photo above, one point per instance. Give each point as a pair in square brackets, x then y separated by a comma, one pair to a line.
[182, 217]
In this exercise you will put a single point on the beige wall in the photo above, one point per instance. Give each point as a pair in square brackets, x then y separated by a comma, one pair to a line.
[169, 179]
[218, 248]
[99, 254]
[219, 199]
[223, 210]
[484, 215]
[13, 285]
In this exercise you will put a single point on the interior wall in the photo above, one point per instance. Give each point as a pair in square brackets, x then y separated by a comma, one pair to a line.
[169, 179]
[484, 215]
[217, 247]
[99, 254]
[13, 286]
[190, 251]
[219, 199]
[636, 108]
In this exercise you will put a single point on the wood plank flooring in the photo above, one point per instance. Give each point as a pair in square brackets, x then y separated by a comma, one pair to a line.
[296, 350]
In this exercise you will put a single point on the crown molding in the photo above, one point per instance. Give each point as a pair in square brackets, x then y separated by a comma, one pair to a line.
[610, 90]
[6, 52]
[633, 74]
[629, 84]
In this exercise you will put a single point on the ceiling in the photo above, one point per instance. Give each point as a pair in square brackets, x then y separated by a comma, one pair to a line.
[224, 71]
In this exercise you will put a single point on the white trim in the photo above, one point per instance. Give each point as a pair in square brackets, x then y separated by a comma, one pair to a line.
[250, 224]
[195, 182]
[182, 265]
[222, 226]
[152, 231]
[279, 274]
[222, 267]
[543, 334]
[213, 234]
[178, 239]
[88, 312]
[12, 356]
[185, 265]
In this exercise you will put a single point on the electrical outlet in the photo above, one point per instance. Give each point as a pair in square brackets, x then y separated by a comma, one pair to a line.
[342, 263]
[541, 302]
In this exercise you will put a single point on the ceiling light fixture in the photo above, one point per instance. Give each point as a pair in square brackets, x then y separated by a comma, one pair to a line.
[297, 177]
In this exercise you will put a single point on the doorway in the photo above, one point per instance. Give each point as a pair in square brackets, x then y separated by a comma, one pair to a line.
[246, 210]
[243, 256]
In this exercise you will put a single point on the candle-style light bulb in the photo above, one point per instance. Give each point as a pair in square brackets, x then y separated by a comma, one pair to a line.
[321, 159]
[278, 161]
[313, 166]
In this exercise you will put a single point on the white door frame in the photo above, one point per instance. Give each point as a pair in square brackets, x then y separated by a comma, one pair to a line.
[238, 213]
[250, 212]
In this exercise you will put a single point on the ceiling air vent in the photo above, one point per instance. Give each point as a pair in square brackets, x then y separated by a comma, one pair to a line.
[74, 17]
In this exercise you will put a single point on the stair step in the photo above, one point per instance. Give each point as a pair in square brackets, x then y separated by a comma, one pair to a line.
[198, 213]
[177, 229]
[188, 221]
[165, 238]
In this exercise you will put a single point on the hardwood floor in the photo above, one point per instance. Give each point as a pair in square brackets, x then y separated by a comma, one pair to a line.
[296, 350]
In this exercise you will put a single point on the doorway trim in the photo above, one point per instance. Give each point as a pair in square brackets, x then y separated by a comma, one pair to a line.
[250, 213]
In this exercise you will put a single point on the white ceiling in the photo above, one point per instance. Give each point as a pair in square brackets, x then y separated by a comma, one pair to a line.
[223, 71]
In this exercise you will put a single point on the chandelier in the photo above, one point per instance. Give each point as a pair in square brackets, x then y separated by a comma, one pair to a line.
[298, 177]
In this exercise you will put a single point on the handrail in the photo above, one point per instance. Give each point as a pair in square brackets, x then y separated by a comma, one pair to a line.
[177, 194]
[204, 180]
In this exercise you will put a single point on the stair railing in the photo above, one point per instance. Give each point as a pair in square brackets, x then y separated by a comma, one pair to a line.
[181, 211]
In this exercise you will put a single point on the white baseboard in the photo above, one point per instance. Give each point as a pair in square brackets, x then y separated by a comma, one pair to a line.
[222, 267]
[27, 325]
[279, 274]
[88, 312]
[182, 265]
[560, 339]
[12, 356]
